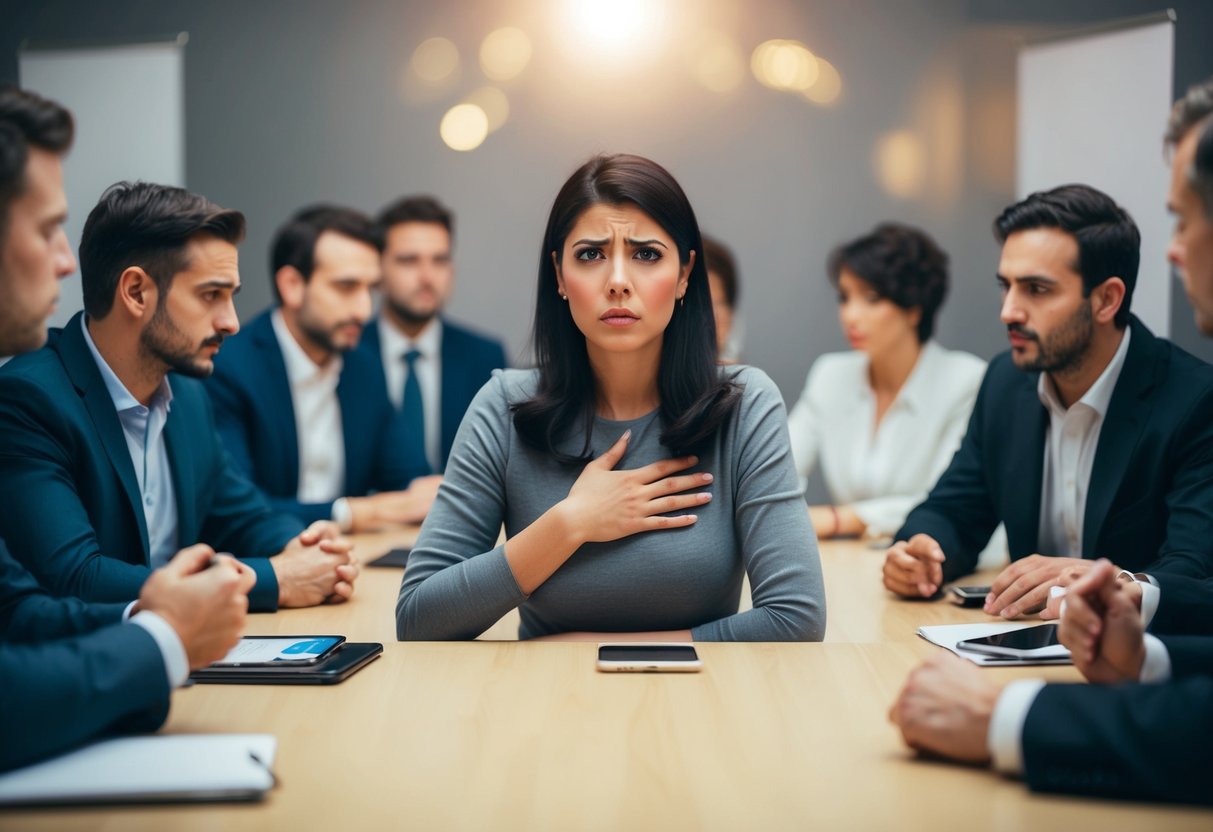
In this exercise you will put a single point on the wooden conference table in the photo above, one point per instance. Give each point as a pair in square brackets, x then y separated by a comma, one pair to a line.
[508, 735]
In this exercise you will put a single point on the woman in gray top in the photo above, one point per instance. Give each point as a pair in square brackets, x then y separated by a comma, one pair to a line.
[636, 479]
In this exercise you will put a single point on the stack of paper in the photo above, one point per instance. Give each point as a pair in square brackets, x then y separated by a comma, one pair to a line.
[948, 635]
[149, 769]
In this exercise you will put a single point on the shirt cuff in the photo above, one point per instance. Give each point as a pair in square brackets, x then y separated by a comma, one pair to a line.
[1150, 596]
[1157, 666]
[176, 663]
[1005, 739]
[343, 515]
[126, 613]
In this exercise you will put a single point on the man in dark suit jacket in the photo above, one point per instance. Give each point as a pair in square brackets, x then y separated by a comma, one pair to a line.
[1148, 741]
[109, 459]
[449, 363]
[1090, 438]
[291, 380]
[72, 670]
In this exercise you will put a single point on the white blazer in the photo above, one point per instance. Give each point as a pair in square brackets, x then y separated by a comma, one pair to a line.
[885, 472]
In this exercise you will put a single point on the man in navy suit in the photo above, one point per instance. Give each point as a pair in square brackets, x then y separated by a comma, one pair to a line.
[1089, 438]
[292, 382]
[432, 366]
[1116, 739]
[72, 670]
[109, 458]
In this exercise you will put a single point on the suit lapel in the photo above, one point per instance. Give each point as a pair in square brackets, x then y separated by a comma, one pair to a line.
[1026, 469]
[354, 428]
[86, 377]
[1128, 412]
[275, 388]
[177, 439]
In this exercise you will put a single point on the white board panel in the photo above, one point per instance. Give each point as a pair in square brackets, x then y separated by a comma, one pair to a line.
[1092, 109]
[129, 105]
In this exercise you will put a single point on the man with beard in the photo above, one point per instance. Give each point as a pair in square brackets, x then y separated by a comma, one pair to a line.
[291, 383]
[109, 458]
[1143, 729]
[1090, 438]
[432, 366]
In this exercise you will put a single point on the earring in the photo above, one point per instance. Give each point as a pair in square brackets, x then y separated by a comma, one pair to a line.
[564, 297]
[682, 301]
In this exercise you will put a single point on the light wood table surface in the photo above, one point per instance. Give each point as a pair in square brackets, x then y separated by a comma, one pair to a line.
[509, 735]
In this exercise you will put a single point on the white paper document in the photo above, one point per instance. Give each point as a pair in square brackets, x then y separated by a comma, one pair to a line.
[948, 635]
[163, 768]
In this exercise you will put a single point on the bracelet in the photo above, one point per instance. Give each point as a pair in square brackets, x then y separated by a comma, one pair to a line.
[837, 521]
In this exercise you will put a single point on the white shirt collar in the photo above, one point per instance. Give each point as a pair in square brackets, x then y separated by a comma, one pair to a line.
[300, 368]
[122, 398]
[396, 343]
[1099, 394]
[916, 391]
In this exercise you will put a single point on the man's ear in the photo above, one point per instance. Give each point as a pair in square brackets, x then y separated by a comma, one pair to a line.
[1107, 298]
[137, 294]
[291, 286]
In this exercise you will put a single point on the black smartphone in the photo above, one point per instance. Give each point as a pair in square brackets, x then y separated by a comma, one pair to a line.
[395, 558]
[968, 596]
[649, 658]
[1022, 643]
[271, 651]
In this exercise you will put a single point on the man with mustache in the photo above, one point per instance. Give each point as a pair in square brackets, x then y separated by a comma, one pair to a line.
[1090, 438]
[432, 366]
[1142, 730]
[109, 458]
[304, 414]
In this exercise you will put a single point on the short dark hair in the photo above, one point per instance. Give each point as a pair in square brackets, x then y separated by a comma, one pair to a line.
[416, 209]
[695, 399]
[295, 243]
[27, 120]
[148, 226]
[719, 260]
[1195, 111]
[902, 264]
[1109, 244]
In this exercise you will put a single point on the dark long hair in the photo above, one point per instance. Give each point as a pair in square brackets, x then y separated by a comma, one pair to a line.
[695, 400]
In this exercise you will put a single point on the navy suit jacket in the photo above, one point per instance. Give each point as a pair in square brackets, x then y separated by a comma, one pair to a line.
[72, 512]
[468, 360]
[71, 671]
[1150, 498]
[255, 414]
[1135, 741]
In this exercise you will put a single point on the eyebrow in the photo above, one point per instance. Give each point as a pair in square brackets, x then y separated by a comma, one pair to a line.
[220, 284]
[629, 241]
[1027, 278]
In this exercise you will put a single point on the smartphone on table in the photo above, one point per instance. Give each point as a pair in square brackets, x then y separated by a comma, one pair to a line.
[659, 657]
[267, 651]
[969, 596]
[1029, 643]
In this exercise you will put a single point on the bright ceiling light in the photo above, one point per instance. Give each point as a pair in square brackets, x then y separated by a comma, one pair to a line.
[618, 27]
[464, 127]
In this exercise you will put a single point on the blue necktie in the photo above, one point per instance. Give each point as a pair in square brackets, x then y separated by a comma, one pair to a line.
[413, 412]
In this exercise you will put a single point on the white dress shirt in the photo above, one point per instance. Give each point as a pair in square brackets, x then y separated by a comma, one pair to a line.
[393, 345]
[1070, 443]
[317, 418]
[143, 429]
[883, 471]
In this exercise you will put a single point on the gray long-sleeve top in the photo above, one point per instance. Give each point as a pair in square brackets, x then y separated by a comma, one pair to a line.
[458, 582]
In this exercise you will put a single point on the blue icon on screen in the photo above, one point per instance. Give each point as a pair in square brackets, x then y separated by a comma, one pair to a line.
[311, 648]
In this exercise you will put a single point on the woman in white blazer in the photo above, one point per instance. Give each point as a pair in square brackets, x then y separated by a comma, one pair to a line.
[884, 419]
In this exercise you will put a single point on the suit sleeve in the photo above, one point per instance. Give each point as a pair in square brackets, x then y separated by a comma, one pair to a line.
[1190, 655]
[60, 694]
[1184, 605]
[44, 521]
[959, 512]
[1186, 549]
[29, 613]
[1141, 742]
